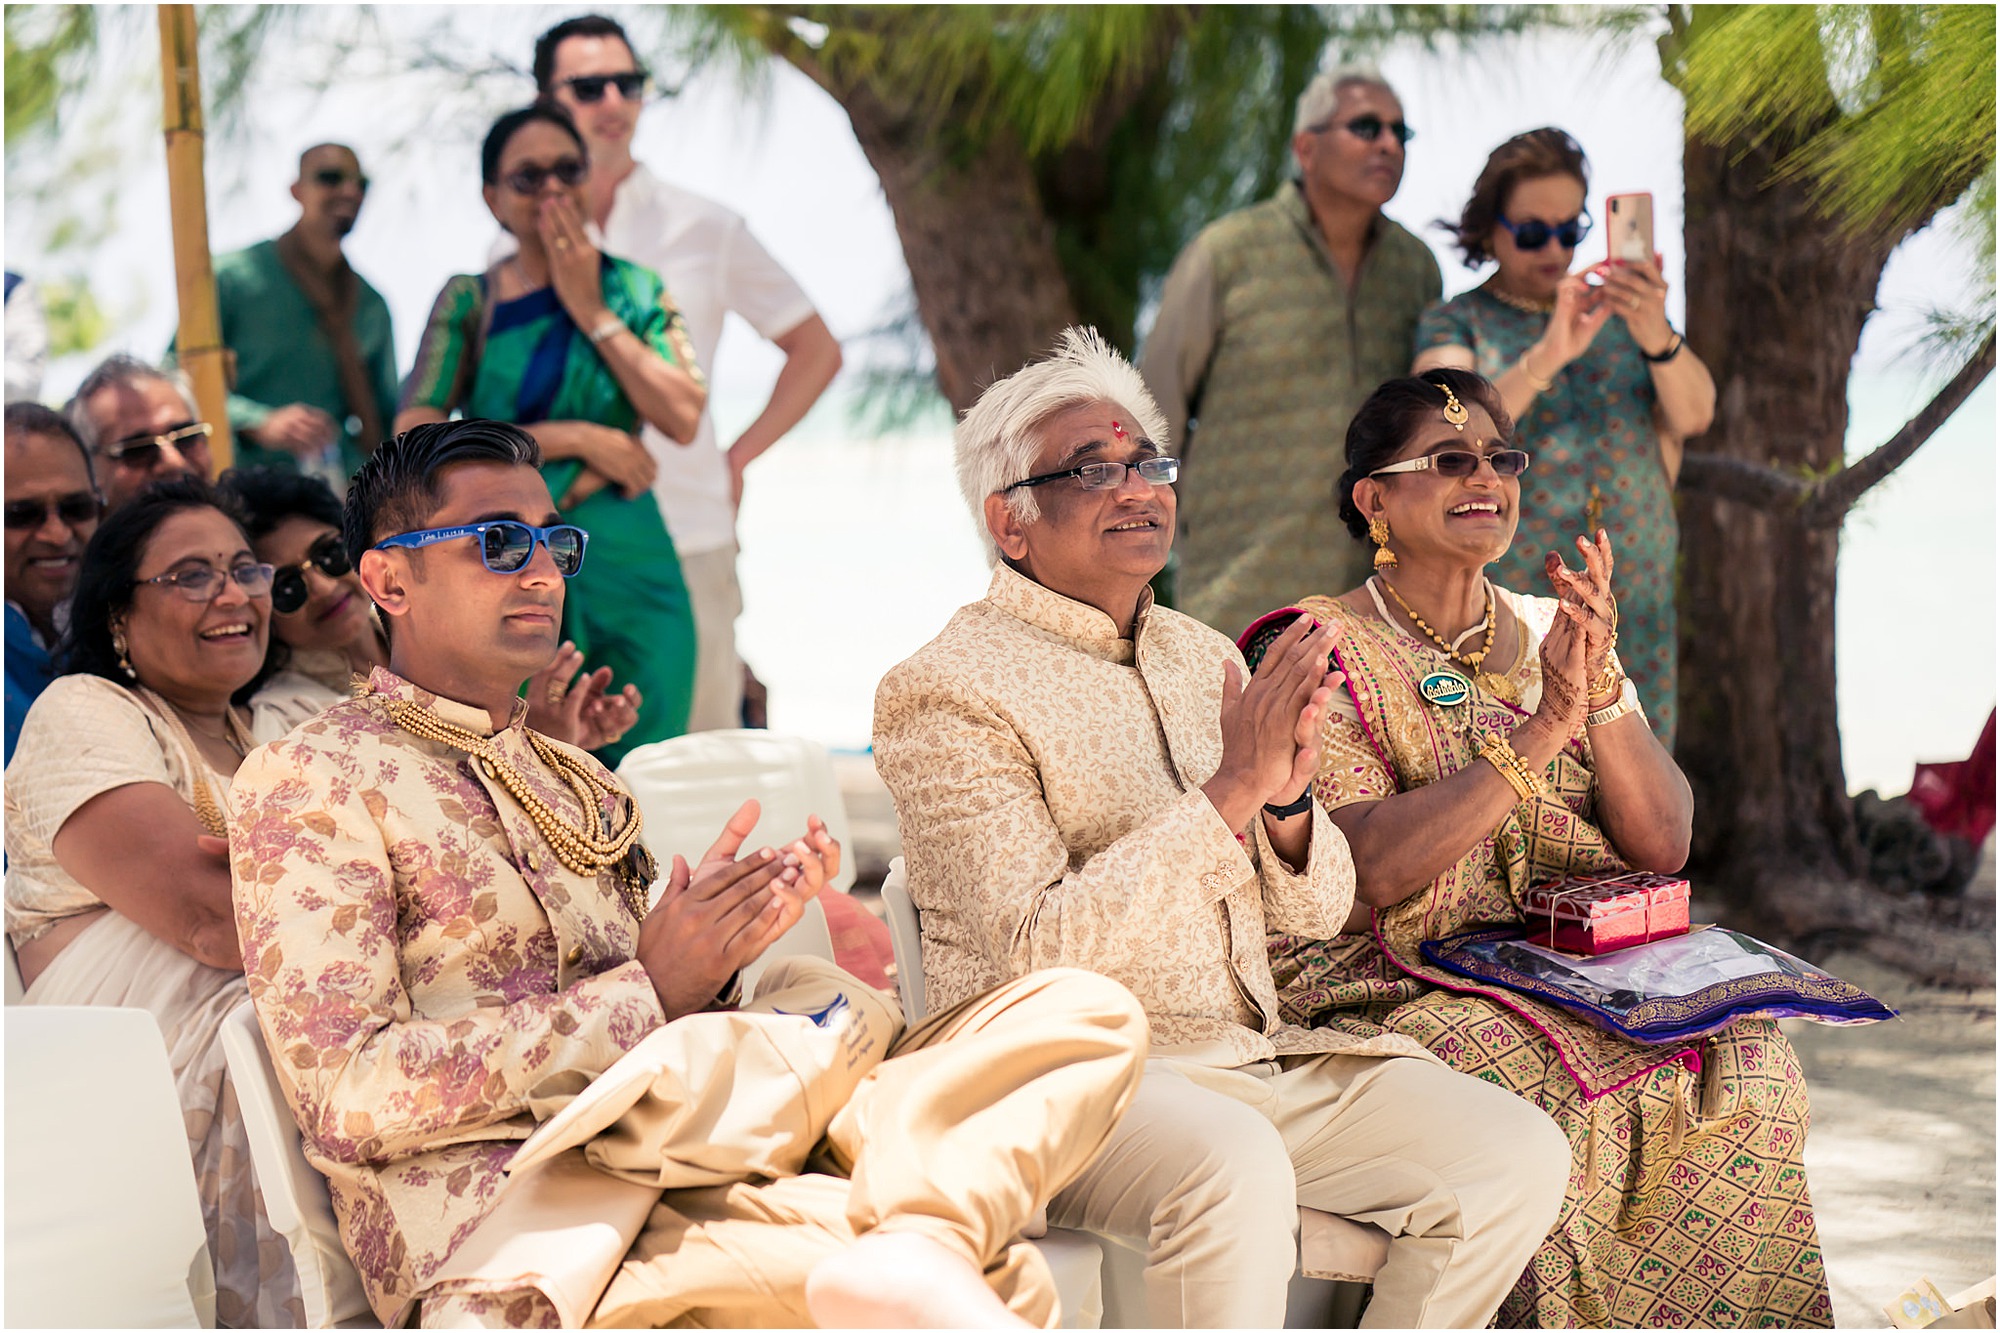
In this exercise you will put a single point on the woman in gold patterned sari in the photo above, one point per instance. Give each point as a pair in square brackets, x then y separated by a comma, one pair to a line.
[1480, 742]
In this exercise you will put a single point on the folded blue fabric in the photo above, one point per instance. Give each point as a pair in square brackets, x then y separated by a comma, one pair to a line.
[1668, 991]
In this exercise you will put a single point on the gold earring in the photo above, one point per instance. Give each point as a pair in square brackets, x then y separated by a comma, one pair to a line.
[124, 662]
[1378, 532]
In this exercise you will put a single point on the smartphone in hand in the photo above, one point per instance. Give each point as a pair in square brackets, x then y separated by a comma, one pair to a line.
[1628, 234]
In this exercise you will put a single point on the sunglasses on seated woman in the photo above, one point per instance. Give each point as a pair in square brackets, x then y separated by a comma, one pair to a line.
[1534, 233]
[1462, 463]
[288, 585]
[505, 546]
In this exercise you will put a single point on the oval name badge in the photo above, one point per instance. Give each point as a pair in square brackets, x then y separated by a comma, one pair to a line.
[1447, 689]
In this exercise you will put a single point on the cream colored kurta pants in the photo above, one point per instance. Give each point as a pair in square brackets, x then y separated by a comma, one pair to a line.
[1209, 1166]
[962, 1133]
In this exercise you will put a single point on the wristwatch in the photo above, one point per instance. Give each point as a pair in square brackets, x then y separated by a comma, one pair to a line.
[1626, 702]
[1290, 808]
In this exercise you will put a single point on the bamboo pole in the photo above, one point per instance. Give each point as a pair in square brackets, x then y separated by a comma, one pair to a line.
[200, 349]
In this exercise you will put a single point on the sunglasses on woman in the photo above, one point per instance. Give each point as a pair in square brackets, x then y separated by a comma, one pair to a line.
[529, 178]
[505, 546]
[590, 87]
[1462, 463]
[1534, 234]
[288, 585]
[75, 509]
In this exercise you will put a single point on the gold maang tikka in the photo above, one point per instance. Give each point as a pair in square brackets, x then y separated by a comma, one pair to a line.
[1455, 414]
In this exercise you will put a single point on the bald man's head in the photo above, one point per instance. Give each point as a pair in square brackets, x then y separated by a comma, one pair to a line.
[330, 189]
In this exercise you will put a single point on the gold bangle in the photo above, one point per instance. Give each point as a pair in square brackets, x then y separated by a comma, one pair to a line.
[1509, 764]
[1535, 382]
[1605, 681]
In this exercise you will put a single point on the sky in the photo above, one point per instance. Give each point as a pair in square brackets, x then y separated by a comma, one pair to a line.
[830, 516]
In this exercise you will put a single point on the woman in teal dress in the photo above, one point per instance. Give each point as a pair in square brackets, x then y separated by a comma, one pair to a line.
[1602, 388]
[578, 347]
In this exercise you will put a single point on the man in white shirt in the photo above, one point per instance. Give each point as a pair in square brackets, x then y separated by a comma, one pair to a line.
[712, 265]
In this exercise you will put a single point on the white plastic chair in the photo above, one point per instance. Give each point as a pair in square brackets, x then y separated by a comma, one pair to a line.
[295, 1196]
[103, 1224]
[1339, 1257]
[688, 786]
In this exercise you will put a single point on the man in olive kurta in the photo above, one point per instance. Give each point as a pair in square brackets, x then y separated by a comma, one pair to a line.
[1275, 322]
[316, 386]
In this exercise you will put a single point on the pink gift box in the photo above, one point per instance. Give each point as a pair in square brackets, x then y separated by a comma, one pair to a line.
[1603, 912]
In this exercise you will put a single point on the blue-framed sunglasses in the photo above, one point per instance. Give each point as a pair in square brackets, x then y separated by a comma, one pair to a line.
[1534, 233]
[506, 545]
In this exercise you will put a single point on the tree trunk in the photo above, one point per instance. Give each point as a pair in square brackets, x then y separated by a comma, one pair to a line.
[1760, 736]
[981, 251]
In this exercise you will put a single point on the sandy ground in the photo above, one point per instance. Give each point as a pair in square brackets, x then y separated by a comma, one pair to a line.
[1901, 1153]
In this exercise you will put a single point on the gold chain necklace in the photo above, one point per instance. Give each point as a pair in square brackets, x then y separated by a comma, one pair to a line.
[1527, 303]
[586, 851]
[1491, 681]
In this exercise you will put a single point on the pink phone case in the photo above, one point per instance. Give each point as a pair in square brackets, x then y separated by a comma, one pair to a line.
[1628, 229]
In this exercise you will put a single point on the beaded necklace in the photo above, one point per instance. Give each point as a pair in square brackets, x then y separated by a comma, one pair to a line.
[586, 851]
[1491, 681]
[1526, 303]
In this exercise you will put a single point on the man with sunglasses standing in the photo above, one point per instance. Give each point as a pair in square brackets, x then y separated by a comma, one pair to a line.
[139, 424]
[315, 386]
[52, 508]
[712, 266]
[1274, 324]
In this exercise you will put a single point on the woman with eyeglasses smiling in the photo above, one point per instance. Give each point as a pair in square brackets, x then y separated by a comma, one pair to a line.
[1604, 389]
[577, 347]
[324, 631]
[1480, 742]
[118, 886]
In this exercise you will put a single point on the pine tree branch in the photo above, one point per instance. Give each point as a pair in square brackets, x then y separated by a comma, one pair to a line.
[1825, 501]
[1837, 494]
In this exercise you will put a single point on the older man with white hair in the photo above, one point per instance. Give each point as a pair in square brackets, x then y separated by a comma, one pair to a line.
[1275, 322]
[1087, 780]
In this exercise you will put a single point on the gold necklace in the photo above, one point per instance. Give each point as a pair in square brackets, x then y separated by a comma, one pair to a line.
[1527, 303]
[586, 851]
[1492, 682]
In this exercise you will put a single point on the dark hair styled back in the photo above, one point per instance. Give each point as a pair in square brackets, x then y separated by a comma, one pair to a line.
[1392, 414]
[505, 128]
[1530, 156]
[268, 496]
[586, 25]
[110, 564]
[32, 418]
[397, 489]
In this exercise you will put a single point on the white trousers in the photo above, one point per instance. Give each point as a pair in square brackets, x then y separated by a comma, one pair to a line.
[718, 671]
[1209, 1167]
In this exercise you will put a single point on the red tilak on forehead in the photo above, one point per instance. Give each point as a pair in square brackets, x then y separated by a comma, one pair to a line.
[1118, 429]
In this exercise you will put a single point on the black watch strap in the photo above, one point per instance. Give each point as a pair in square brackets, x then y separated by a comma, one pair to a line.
[1290, 808]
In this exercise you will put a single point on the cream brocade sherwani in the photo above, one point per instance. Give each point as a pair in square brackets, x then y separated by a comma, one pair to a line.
[1047, 776]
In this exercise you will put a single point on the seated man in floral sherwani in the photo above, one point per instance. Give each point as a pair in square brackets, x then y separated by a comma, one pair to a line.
[1086, 780]
[447, 938]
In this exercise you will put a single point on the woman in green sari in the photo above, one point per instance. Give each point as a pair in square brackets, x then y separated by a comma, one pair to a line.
[1480, 742]
[578, 347]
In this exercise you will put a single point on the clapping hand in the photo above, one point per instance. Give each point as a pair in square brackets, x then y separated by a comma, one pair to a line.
[586, 713]
[1270, 727]
[718, 918]
[1588, 595]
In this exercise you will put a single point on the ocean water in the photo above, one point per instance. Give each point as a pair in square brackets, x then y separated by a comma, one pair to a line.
[858, 548]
